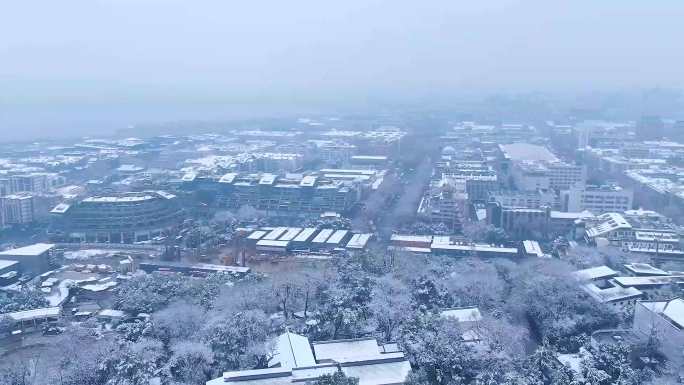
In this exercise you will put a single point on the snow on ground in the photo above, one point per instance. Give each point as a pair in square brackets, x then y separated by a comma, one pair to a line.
[84, 254]
[60, 294]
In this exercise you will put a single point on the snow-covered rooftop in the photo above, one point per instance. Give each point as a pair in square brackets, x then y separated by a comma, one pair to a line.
[32, 250]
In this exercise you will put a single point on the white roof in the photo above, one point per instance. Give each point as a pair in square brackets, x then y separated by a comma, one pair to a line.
[290, 233]
[391, 368]
[7, 263]
[358, 241]
[35, 249]
[228, 178]
[359, 358]
[272, 243]
[119, 199]
[267, 179]
[608, 222]
[463, 314]
[644, 268]
[674, 310]
[347, 171]
[323, 236]
[111, 313]
[441, 239]
[27, 315]
[421, 250]
[292, 351]
[611, 294]
[222, 268]
[305, 234]
[533, 248]
[411, 238]
[347, 176]
[257, 234]
[337, 236]
[346, 349]
[165, 195]
[527, 152]
[369, 157]
[267, 376]
[275, 233]
[475, 247]
[308, 181]
[571, 215]
[648, 281]
[60, 208]
[189, 177]
[97, 287]
[599, 272]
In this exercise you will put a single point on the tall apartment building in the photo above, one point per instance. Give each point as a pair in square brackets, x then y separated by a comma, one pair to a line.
[34, 182]
[520, 223]
[2, 214]
[523, 215]
[5, 186]
[17, 209]
[597, 199]
[564, 175]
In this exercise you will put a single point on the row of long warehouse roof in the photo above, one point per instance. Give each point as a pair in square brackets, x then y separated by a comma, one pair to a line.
[282, 237]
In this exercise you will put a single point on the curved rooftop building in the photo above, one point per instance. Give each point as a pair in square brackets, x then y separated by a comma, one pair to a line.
[119, 218]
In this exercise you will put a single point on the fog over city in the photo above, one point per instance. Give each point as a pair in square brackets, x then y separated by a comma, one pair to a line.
[341, 193]
[81, 67]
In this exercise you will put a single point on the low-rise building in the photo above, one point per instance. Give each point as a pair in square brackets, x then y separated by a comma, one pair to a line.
[598, 274]
[32, 259]
[613, 295]
[296, 360]
[34, 317]
[649, 284]
[644, 270]
[18, 209]
[599, 283]
[635, 233]
[119, 218]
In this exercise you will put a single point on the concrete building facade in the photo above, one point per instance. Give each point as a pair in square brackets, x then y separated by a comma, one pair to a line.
[597, 199]
[119, 218]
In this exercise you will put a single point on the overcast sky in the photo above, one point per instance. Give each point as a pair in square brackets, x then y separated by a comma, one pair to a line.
[278, 53]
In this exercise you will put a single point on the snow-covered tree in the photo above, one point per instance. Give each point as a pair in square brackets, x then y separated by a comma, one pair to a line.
[239, 341]
[190, 363]
[390, 306]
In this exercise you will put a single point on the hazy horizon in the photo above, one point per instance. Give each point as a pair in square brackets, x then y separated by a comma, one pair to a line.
[87, 66]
